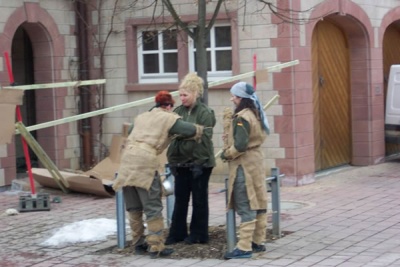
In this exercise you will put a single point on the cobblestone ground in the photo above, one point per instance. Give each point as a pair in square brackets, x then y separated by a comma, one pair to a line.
[349, 217]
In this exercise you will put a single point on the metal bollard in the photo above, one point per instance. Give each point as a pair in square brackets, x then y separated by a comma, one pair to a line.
[230, 224]
[275, 203]
[120, 218]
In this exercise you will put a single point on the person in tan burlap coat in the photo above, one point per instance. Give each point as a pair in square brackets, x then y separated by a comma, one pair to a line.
[247, 191]
[138, 176]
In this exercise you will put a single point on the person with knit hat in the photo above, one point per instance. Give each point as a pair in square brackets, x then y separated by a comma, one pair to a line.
[247, 192]
[138, 177]
[192, 164]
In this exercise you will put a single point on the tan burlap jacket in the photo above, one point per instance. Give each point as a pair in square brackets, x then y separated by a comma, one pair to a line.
[252, 161]
[147, 140]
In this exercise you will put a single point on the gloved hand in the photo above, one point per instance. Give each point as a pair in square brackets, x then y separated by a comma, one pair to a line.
[173, 171]
[197, 170]
[223, 157]
[199, 133]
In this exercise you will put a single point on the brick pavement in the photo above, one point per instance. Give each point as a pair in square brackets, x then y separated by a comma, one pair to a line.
[350, 217]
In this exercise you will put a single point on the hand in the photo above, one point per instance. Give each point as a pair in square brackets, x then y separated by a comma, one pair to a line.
[223, 157]
[173, 171]
[197, 170]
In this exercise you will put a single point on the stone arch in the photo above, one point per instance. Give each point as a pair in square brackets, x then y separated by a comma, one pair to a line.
[356, 25]
[366, 146]
[48, 54]
[390, 17]
[389, 39]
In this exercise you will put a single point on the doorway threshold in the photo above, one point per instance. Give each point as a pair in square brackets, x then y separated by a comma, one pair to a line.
[329, 171]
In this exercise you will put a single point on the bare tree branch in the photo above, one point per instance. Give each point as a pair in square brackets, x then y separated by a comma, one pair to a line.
[286, 14]
[178, 21]
[214, 16]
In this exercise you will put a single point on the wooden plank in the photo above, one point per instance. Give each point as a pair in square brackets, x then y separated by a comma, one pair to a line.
[146, 100]
[334, 96]
[316, 102]
[252, 73]
[55, 85]
[43, 157]
[94, 113]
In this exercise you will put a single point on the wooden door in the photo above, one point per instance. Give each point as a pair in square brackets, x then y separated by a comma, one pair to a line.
[331, 92]
[391, 55]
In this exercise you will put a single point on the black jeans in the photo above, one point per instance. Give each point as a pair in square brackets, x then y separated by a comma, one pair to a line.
[186, 184]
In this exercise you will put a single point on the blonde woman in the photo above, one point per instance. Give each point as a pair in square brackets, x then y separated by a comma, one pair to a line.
[191, 163]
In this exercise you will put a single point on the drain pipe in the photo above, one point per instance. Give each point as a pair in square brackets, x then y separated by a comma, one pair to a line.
[84, 91]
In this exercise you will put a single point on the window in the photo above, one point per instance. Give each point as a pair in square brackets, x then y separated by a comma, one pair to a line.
[158, 56]
[161, 57]
[219, 53]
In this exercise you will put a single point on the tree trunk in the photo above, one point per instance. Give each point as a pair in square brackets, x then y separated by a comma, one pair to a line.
[201, 52]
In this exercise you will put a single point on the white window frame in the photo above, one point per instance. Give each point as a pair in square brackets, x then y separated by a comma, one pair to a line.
[161, 77]
[212, 75]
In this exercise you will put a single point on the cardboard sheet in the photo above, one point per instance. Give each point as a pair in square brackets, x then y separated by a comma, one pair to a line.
[77, 182]
[97, 181]
[9, 99]
[262, 76]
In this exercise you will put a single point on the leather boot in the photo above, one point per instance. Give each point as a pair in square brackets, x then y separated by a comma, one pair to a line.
[246, 231]
[137, 227]
[155, 238]
[243, 248]
[260, 232]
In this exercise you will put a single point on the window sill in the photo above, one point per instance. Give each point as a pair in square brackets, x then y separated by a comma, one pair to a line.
[154, 87]
[150, 87]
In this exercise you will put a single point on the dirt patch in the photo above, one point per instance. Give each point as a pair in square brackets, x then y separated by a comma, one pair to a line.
[215, 249]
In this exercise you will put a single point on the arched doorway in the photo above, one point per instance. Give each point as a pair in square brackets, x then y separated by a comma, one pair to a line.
[23, 70]
[391, 55]
[31, 37]
[331, 96]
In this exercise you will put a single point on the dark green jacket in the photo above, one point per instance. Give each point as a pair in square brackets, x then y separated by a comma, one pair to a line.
[183, 150]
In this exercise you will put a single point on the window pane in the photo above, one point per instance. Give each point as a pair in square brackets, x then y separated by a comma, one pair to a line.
[171, 62]
[224, 60]
[223, 36]
[208, 61]
[169, 39]
[150, 63]
[150, 40]
[207, 42]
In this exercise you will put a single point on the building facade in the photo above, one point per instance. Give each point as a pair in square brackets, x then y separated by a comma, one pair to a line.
[331, 106]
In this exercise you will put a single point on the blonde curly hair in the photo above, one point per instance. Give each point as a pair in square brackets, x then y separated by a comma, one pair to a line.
[192, 83]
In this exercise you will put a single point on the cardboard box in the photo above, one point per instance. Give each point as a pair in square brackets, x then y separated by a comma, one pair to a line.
[9, 99]
[97, 181]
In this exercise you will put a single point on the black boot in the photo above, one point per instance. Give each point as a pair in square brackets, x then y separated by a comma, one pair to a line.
[238, 254]
[257, 248]
[141, 249]
[193, 240]
[171, 240]
[163, 253]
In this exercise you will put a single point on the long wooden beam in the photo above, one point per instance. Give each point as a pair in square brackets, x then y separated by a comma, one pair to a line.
[55, 85]
[43, 157]
[148, 100]
[252, 73]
